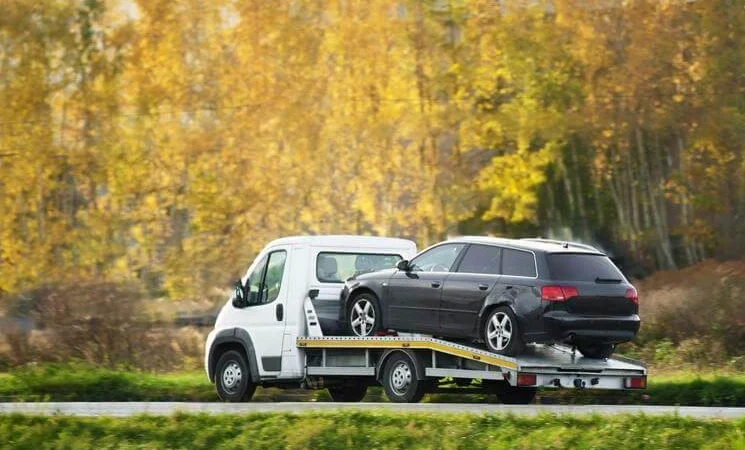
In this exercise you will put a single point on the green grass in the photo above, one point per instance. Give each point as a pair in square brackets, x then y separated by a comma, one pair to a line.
[370, 430]
[84, 383]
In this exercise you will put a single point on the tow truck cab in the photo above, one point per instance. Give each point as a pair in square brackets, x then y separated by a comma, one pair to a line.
[264, 330]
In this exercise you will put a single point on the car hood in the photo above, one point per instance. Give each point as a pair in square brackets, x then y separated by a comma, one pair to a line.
[379, 275]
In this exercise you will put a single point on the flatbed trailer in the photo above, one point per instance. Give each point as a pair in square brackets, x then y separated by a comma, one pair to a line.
[513, 379]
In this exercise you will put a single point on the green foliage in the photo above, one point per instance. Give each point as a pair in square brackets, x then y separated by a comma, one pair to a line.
[385, 430]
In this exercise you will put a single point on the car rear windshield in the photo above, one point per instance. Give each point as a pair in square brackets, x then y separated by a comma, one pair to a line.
[337, 267]
[582, 267]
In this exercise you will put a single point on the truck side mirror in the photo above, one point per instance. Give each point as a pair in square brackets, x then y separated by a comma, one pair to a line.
[240, 294]
[403, 265]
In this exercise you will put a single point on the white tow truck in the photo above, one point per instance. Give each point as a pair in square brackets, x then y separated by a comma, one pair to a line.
[280, 328]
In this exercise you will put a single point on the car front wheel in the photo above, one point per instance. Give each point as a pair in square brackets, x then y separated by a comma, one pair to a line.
[364, 315]
[501, 332]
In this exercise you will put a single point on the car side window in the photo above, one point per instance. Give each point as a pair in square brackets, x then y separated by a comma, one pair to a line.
[480, 259]
[518, 263]
[275, 269]
[438, 259]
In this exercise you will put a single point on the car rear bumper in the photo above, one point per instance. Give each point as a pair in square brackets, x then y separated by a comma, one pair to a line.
[564, 326]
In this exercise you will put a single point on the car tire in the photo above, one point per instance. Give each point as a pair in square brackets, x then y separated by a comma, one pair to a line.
[400, 380]
[364, 311]
[351, 393]
[596, 350]
[233, 378]
[501, 332]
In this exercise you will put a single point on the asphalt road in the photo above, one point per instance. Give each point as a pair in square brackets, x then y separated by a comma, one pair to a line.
[122, 409]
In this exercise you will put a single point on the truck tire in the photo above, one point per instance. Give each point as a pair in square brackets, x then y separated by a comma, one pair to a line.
[508, 394]
[233, 378]
[363, 315]
[501, 332]
[351, 393]
[596, 350]
[400, 380]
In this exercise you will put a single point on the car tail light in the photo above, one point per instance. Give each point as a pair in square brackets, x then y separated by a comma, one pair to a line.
[632, 295]
[526, 379]
[636, 383]
[558, 293]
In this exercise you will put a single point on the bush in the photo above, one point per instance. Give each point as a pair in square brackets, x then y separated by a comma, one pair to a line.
[100, 323]
[381, 429]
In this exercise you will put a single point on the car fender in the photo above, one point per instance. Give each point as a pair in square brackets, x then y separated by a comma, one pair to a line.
[238, 336]
[493, 301]
[374, 286]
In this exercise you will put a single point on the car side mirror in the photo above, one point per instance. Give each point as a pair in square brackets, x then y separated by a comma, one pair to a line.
[403, 265]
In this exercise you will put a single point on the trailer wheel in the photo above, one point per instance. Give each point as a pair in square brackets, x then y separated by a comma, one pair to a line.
[233, 379]
[400, 380]
[352, 393]
[508, 394]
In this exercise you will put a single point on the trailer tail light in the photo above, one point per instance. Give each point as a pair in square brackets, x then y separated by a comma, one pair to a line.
[558, 293]
[635, 383]
[632, 295]
[527, 379]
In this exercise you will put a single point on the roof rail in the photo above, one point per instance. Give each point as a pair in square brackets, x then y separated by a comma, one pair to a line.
[565, 244]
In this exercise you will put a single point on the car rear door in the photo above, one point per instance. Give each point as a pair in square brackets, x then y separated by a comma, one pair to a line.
[518, 284]
[414, 295]
[466, 289]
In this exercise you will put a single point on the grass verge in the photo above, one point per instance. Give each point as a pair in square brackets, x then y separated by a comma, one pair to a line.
[85, 383]
[383, 430]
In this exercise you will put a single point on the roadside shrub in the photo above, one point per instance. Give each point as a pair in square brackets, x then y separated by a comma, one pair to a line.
[100, 323]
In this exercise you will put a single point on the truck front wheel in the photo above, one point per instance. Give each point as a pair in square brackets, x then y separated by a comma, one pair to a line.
[233, 379]
[351, 393]
[400, 380]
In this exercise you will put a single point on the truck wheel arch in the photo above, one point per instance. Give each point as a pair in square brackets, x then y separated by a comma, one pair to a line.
[238, 339]
[380, 365]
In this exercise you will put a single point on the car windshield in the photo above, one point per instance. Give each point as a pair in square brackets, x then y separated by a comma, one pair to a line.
[582, 267]
[337, 267]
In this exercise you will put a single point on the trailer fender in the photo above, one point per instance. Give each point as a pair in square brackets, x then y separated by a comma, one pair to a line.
[243, 339]
[420, 370]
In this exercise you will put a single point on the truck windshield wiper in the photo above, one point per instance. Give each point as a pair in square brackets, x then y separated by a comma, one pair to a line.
[607, 280]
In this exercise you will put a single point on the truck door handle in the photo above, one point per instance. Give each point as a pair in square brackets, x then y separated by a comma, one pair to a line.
[483, 286]
[280, 311]
[436, 284]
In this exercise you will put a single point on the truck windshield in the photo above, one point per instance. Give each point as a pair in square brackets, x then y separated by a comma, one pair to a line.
[582, 267]
[337, 267]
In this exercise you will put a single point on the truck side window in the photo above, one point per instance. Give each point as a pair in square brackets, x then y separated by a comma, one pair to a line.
[257, 276]
[275, 269]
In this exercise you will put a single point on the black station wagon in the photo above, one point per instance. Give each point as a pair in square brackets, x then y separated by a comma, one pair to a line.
[502, 292]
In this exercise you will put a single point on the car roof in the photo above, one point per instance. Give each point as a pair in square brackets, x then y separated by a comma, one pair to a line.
[342, 240]
[533, 244]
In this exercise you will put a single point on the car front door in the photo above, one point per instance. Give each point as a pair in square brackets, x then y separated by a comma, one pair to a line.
[466, 288]
[264, 317]
[414, 295]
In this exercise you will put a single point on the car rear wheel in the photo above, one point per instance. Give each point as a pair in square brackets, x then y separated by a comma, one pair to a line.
[351, 393]
[364, 315]
[233, 379]
[501, 332]
[400, 380]
[596, 350]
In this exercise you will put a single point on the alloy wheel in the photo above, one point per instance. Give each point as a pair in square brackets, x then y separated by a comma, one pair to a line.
[499, 331]
[363, 317]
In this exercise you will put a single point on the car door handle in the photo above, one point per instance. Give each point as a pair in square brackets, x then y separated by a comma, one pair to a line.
[436, 284]
[280, 311]
[483, 286]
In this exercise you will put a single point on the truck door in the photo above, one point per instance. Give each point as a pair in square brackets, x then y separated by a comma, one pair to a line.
[265, 318]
